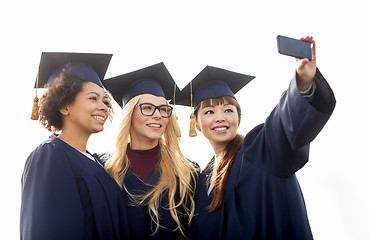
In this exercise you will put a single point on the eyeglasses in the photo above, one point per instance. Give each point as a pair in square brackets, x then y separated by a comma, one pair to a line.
[148, 109]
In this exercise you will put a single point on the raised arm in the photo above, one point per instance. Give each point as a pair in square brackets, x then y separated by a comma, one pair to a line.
[282, 143]
[306, 70]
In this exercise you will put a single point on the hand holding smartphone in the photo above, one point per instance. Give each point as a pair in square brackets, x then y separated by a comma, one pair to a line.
[294, 47]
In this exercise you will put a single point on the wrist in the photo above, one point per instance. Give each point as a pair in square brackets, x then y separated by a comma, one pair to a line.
[309, 92]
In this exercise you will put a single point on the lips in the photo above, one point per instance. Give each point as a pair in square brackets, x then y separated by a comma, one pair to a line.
[220, 128]
[99, 118]
[154, 125]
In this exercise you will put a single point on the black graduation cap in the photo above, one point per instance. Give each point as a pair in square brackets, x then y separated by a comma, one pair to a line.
[90, 66]
[212, 82]
[155, 80]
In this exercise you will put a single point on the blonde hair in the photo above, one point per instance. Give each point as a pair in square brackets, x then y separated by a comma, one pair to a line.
[174, 169]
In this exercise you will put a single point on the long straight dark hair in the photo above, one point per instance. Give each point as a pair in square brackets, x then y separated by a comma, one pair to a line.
[228, 154]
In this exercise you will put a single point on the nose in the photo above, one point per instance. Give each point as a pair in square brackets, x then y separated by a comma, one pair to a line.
[103, 107]
[219, 117]
[156, 113]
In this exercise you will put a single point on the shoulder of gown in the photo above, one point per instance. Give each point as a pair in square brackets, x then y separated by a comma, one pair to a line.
[51, 208]
[65, 195]
[281, 145]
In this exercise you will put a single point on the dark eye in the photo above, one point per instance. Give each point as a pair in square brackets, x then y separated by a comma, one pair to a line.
[209, 112]
[147, 107]
[107, 100]
[229, 110]
[93, 98]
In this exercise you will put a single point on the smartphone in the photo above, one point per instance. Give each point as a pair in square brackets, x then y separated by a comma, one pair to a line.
[294, 47]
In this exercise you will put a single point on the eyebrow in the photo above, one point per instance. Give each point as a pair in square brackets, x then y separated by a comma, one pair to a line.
[105, 96]
[93, 93]
[98, 94]
[164, 104]
[225, 104]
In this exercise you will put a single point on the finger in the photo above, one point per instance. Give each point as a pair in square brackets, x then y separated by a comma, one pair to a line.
[313, 48]
[307, 39]
[304, 62]
[311, 40]
[301, 62]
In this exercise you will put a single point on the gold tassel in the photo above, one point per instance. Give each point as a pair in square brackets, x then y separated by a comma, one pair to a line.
[179, 130]
[192, 126]
[192, 132]
[34, 115]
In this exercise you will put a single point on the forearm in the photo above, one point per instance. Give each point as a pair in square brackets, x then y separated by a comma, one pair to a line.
[301, 119]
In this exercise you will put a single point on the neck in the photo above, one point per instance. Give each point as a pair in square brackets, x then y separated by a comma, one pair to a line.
[143, 145]
[218, 147]
[77, 141]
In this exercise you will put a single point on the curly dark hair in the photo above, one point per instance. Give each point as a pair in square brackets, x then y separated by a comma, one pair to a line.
[62, 92]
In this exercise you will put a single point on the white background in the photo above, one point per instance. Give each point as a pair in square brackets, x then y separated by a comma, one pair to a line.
[188, 35]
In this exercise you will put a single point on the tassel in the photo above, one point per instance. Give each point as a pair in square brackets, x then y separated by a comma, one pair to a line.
[192, 117]
[192, 126]
[34, 115]
[179, 130]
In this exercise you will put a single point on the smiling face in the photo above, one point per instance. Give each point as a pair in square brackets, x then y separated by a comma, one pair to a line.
[88, 112]
[218, 120]
[145, 131]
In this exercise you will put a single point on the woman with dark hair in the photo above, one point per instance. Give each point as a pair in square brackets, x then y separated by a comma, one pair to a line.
[249, 190]
[66, 193]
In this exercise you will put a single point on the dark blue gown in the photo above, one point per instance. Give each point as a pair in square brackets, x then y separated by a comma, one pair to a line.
[66, 195]
[140, 224]
[262, 198]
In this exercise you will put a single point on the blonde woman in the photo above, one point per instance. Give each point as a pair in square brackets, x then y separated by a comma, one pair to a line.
[148, 164]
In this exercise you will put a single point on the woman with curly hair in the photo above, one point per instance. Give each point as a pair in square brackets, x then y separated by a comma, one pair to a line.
[148, 163]
[66, 193]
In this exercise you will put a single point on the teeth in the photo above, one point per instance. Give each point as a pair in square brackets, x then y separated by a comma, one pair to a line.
[220, 129]
[99, 118]
[154, 125]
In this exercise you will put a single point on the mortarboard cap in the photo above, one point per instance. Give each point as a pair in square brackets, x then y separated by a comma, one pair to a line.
[90, 66]
[155, 80]
[212, 82]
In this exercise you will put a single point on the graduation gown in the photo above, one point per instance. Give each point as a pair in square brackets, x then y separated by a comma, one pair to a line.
[66, 195]
[262, 198]
[140, 223]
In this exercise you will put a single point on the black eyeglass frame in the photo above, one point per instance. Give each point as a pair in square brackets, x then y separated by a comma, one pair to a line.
[156, 108]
